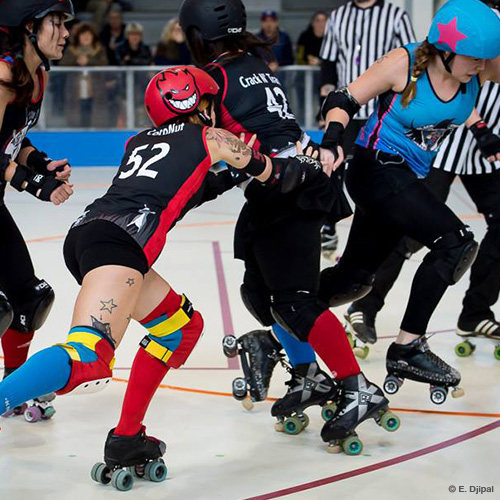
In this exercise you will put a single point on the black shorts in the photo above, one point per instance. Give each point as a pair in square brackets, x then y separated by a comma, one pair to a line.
[101, 243]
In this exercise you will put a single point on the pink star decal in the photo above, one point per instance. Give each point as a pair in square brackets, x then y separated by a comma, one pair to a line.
[449, 34]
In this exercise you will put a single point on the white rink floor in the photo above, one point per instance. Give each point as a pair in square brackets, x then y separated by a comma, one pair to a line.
[216, 449]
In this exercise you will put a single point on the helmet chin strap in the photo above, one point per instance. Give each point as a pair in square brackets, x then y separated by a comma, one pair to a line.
[33, 39]
[446, 63]
[205, 119]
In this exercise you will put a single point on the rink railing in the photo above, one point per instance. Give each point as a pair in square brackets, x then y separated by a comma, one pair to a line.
[114, 97]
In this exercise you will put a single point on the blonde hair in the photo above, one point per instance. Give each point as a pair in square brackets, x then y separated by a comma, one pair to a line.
[423, 57]
[168, 32]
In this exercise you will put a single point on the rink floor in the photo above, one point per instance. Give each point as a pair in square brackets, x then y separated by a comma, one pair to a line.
[216, 450]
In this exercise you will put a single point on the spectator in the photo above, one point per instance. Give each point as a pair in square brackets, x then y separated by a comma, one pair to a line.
[133, 51]
[101, 8]
[172, 49]
[310, 41]
[282, 45]
[85, 100]
[113, 33]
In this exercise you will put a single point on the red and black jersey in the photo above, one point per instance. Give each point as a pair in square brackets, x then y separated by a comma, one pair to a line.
[160, 179]
[253, 101]
[18, 120]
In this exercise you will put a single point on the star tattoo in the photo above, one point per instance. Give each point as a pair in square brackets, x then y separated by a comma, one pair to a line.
[131, 282]
[108, 306]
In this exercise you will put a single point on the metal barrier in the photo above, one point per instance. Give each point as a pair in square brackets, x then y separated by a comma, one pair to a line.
[111, 98]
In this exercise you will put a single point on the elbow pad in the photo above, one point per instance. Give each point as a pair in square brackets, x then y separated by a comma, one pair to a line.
[341, 99]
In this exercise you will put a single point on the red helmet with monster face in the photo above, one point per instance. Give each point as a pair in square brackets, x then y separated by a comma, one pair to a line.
[177, 91]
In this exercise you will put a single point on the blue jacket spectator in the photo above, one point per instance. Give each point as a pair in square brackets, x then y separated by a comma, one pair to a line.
[282, 45]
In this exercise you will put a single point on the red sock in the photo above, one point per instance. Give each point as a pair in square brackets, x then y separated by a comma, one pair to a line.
[328, 338]
[15, 347]
[145, 377]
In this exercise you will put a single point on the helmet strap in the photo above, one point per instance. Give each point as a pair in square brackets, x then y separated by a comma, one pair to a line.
[204, 119]
[447, 60]
[32, 36]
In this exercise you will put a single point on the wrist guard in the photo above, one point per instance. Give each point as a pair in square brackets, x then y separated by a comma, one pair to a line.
[290, 173]
[256, 166]
[38, 161]
[333, 137]
[38, 185]
[488, 142]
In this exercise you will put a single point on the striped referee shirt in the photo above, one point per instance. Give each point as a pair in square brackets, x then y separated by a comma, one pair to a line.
[460, 153]
[355, 38]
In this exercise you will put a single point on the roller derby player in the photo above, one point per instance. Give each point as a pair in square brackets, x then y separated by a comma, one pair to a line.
[31, 34]
[110, 250]
[471, 154]
[396, 148]
[278, 236]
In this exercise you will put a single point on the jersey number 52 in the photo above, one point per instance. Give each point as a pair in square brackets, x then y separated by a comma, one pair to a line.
[142, 169]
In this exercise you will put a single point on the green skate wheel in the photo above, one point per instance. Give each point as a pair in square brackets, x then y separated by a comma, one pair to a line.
[328, 412]
[361, 352]
[352, 445]
[351, 340]
[497, 352]
[122, 480]
[100, 473]
[305, 420]
[49, 413]
[155, 471]
[293, 426]
[463, 349]
[390, 422]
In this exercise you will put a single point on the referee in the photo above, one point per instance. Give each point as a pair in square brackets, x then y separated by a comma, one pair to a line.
[358, 34]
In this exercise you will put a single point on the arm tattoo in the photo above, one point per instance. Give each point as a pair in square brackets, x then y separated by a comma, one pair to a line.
[381, 59]
[108, 305]
[130, 282]
[100, 326]
[223, 138]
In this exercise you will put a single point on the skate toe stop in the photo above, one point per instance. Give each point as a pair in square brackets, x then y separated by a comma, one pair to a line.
[458, 392]
[247, 404]
[334, 449]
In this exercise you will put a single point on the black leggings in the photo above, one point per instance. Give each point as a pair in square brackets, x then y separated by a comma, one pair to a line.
[390, 203]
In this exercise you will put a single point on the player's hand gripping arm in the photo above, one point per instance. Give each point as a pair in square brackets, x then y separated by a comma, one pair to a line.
[487, 141]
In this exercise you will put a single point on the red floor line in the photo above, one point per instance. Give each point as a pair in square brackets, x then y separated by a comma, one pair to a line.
[380, 465]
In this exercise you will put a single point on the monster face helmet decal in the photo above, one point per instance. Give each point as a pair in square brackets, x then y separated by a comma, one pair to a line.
[179, 90]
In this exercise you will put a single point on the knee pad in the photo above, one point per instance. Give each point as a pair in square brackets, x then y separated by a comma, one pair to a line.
[92, 355]
[338, 287]
[172, 339]
[32, 310]
[453, 254]
[297, 312]
[257, 305]
[6, 314]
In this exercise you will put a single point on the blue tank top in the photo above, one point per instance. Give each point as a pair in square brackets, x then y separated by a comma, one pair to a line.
[417, 131]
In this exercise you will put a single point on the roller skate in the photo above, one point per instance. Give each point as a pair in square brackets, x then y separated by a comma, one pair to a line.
[415, 361]
[358, 400]
[129, 456]
[259, 354]
[487, 329]
[308, 386]
[360, 329]
[35, 410]
[329, 243]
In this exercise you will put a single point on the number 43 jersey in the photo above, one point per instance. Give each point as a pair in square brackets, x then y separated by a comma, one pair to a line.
[160, 179]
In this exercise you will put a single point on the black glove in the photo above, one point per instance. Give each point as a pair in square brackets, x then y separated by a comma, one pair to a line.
[290, 173]
[488, 142]
[39, 161]
[333, 138]
[38, 185]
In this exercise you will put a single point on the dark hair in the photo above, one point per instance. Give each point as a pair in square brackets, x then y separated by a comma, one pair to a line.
[82, 28]
[12, 42]
[204, 52]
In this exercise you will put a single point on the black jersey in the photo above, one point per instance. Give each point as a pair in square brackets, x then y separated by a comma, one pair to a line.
[161, 177]
[17, 121]
[253, 101]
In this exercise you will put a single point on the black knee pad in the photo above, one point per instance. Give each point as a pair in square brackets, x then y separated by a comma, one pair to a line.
[338, 286]
[452, 254]
[297, 312]
[257, 305]
[6, 314]
[31, 311]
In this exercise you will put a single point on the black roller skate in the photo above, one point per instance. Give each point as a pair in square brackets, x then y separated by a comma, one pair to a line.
[415, 361]
[358, 400]
[329, 242]
[487, 329]
[129, 456]
[259, 353]
[360, 329]
[308, 386]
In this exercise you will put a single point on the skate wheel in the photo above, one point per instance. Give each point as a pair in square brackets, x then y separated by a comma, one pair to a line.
[247, 404]
[329, 255]
[305, 420]
[279, 427]
[392, 384]
[463, 349]
[390, 422]
[122, 480]
[240, 388]
[350, 339]
[100, 473]
[457, 392]
[496, 352]
[334, 448]
[230, 346]
[328, 412]
[293, 426]
[33, 414]
[361, 352]
[352, 445]
[155, 472]
[48, 413]
[438, 395]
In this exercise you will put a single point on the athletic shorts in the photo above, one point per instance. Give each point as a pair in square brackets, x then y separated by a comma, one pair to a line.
[101, 243]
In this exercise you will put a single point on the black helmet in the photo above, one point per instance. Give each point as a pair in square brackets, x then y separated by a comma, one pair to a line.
[15, 13]
[214, 18]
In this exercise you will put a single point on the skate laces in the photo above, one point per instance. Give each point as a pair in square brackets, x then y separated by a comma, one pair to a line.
[425, 348]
